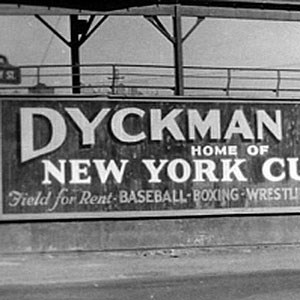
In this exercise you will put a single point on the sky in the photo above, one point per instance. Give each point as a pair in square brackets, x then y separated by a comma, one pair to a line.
[216, 42]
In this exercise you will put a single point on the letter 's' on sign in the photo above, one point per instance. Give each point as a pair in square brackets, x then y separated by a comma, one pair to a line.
[58, 129]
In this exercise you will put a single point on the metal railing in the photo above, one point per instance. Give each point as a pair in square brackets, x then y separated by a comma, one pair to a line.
[157, 80]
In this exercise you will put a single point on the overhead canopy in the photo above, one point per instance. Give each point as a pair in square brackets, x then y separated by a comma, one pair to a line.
[111, 5]
[288, 10]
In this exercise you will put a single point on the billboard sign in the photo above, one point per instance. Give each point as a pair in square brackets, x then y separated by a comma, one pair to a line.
[72, 158]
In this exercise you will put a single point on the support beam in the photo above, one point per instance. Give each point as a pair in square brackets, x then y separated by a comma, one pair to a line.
[80, 32]
[75, 56]
[177, 40]
[178, 52]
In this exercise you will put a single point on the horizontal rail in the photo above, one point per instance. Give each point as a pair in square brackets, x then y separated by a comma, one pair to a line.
[151, 80]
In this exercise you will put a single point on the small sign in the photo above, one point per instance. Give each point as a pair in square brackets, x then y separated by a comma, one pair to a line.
[9, 74]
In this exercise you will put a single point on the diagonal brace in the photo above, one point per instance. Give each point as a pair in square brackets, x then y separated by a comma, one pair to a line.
[154, 20]
[53, 30]
[90, 31]
[85, 36]
[198, 21]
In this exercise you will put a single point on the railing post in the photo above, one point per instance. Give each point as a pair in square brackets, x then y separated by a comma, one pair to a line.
[228, 82]
[278, 83]
[113, 80]
[38, 74]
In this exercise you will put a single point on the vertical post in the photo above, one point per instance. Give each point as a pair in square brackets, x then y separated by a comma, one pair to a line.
[75, 58]
[278, 83]
[113, 80]
[38, 75]
[228, 82]
[178, 53]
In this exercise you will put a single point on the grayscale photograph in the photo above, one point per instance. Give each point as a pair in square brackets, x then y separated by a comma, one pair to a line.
[149, 150]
